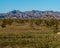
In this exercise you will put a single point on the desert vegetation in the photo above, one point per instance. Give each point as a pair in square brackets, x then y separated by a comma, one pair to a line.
[29, 40]
[34, 24]
[29, 33]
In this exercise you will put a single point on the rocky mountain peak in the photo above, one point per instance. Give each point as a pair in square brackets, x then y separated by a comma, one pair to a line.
[30, 14]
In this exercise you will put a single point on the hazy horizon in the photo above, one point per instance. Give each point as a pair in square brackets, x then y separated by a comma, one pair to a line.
[28, 5]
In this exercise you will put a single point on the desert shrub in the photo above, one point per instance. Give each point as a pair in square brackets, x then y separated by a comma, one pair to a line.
[37, 22]
[6, 22]
[47, 23]
[52, 23]
[3, 25]
[9, 21]
[20, 21]
[55, 24]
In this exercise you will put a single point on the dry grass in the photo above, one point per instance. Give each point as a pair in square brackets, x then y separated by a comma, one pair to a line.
[15, 27]
[26, 37]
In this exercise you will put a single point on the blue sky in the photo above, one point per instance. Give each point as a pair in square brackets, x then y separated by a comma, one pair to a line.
[25, 5]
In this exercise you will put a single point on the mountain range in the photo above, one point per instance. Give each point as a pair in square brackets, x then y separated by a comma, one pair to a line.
[16, 14]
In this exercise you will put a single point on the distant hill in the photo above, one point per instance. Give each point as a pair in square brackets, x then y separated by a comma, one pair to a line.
[30, 14]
